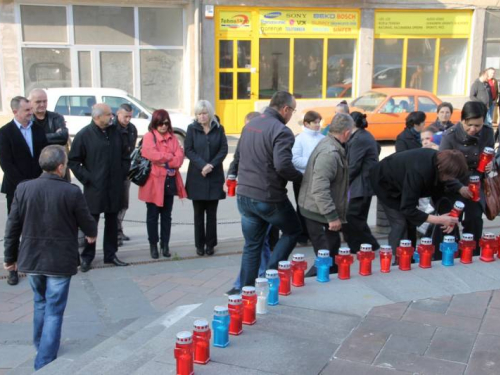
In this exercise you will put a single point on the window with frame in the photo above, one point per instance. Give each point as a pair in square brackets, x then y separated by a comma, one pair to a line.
[491, 55]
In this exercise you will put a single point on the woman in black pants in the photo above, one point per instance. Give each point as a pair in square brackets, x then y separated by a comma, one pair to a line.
[206, 148]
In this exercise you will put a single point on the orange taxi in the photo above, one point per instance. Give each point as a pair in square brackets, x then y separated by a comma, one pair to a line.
[386, 110]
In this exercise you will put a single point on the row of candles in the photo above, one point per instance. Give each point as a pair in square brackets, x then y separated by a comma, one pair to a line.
[194, 347]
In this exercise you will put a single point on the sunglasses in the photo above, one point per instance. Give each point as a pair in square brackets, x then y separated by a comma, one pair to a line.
[166, 123]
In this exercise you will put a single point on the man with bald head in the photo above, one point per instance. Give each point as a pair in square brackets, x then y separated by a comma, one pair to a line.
[99, 159]
[51, 122]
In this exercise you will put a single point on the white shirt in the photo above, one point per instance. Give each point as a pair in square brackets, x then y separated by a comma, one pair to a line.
[304, 145]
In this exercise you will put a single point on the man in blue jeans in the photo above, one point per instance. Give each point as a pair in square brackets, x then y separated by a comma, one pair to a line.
[46, 213]
[265, 167]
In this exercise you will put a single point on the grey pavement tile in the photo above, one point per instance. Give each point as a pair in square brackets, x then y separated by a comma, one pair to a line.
[340, 367]
[215, 368]
[483, 363]
[392, 311]
[487, 270]
[417, 364]
[440, 320]
[13, 355]
[362, 346]
[429, 304]
[471, 304]
[408, 344]
[472, 275]
[160, 289]
[8, 306]
[491, 322]
[395, 327]
[18, 333]
[449, 280]
[487, 342]
[495, 300]
[153, 368]
[451, 345]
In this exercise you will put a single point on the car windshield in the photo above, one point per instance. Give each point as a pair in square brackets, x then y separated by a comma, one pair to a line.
[142, 104]
[369, 101]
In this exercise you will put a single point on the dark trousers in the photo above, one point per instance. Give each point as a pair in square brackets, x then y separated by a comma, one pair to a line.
[356, 231]
[205, 235]
[110, 240]
[399, 227]
[304, 236]
[323, 239]
[165, 214]
[125, 202]
[9, 198]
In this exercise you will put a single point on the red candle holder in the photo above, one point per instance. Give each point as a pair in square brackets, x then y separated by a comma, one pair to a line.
[285, 273]
[405, 253]
[249, 300]
[343, 260]
[201, 341]
[458, 207]
[365, 257]
[231, 185]
[489, 247]
[235, 307]
[183, 353]
[385, 254]
[299, 267]
[425, 251]
[485, 157]
[475, 188]
[467, 245]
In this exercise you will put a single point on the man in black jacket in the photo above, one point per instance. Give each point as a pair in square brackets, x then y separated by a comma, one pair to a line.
[46, 214]
[21, 142]
[100, 161]
[53, 123]
[480, 91]
[265, 167]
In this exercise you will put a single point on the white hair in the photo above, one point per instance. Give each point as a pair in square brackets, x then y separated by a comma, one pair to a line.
[206, 106]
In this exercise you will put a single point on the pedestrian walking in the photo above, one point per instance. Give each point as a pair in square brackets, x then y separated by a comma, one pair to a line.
[206, 148]
[480, 91]
[21, 143]
[100, 161]
[41, 240]
[162, 148]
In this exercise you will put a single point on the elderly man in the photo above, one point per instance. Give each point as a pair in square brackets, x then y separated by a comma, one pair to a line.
[46, 213]
[20, 145]
[51, 122]
[100, 161]
[323, 193]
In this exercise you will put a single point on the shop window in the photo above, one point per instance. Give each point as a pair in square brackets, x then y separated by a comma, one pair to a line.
[226, 54]
[244, 54]
[491, 56]
[387, 60]
[44, 24]
[117, 70]
[244, 86]
[420, 64]
[453, 67]
[161, 26]
[46, 67]
[308, 68]
[84, 69]
[226, 86]
[161, 78]
[274, 66]
[341, 57]
[103, 25]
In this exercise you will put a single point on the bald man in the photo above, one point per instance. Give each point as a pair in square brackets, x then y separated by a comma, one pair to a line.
[51, 122]
[100, 161]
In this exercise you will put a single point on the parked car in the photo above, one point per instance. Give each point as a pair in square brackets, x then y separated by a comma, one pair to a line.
[75, 104]
[386, 110]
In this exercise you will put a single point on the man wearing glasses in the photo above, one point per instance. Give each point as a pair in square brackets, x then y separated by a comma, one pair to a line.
[100, 160]
[265, 168]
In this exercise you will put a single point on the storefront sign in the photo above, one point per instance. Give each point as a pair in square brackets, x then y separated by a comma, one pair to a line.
[235, 21]
[298, 22]
[423, 23]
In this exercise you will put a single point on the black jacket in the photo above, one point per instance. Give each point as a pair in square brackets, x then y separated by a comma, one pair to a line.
[55, 121]
[265, 164]
[402, 178]
[362, 156]
[202, 149]
[481, 92]
[407, 140]
[46, 213]
[129, 135]
[100, 161]
[441, 125]
[15, 156]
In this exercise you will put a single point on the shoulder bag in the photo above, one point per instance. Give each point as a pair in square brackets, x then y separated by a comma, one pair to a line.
[491, 185]
[140, 167]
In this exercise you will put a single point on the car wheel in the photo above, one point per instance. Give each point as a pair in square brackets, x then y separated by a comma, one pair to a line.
[181, 138]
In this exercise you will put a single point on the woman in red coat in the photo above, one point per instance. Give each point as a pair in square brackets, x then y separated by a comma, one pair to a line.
[162, 148]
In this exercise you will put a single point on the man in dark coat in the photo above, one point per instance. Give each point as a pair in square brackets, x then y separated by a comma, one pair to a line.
[100, 161]
[46, 214]
[21, 142]
[480, 91]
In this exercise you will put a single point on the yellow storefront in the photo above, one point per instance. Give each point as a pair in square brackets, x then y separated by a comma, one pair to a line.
[258, 51]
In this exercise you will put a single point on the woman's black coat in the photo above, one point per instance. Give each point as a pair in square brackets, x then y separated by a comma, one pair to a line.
[406, 140]
[202, 149]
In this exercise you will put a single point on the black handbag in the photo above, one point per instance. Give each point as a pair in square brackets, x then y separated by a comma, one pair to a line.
[140, 167]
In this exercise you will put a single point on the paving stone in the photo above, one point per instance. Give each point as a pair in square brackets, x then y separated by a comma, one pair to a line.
[471, 304]
[491, 322]
[451, 345]
[495, 300]
[401, 328]
[487, 342]
[362, 346]
[160, 290]
[340, 367]
[392, 311]
[153, 367]
[430, 305]
[417, 364]
[408, 344]
[441, 320]
[483, 363]
[470, 278]
[14, 355]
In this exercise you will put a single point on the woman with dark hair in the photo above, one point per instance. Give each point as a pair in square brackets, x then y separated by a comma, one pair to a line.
[444, 112]
[402, 178]
[409, 138]
[470, 137]
[161, 147]
[362, 156]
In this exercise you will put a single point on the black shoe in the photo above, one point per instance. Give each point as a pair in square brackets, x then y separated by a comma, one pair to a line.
[85, 266]
[120, 242]
[124, 237]
[117, 262]
[233, 292]
[209, 251]
[153, 249]
[165, 251]
[200, 252]
[13, 278]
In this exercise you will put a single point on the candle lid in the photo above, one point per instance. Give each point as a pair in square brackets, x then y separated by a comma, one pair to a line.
[385, 249]
[298, 257]
[184, 337]
[459, 205]
[234, 299]
[221, 311]
[248, 291]
[489, 151]
[474, 179]
[231, 177]
[272, 274]
[323, 253]
[261, 282]
[200, 325]
[426, 241]
[449, 239]
[365, 247]
[284, 265]
[467, 237]
[405, 243]
[344, 251]
[488, 236]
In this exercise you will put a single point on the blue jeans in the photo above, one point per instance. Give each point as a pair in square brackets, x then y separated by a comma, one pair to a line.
[51, 296]
[490, 114]
[264, 260]
[256, 216]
